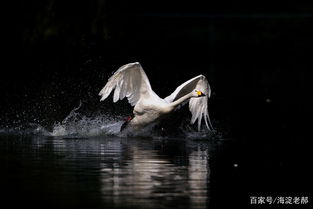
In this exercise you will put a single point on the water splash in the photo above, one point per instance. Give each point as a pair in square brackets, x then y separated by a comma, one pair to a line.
[78, 125]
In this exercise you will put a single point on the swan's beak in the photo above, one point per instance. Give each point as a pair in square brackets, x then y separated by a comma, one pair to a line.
[200, 94]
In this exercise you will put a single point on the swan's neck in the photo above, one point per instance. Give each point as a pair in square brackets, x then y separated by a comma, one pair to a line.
[181, 100]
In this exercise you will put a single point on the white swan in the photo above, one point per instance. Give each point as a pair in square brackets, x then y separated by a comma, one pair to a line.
[131, 81]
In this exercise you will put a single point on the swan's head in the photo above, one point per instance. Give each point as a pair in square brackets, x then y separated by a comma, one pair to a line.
[198, 93]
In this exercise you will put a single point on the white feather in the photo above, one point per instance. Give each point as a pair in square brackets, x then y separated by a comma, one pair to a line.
[197, 106]
[131, 81]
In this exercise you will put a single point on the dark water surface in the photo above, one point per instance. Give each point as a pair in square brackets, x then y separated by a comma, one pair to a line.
[105, 172]
[144, 172]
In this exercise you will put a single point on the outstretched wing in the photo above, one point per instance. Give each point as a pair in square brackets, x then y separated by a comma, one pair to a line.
[197, 106]
[131, 81]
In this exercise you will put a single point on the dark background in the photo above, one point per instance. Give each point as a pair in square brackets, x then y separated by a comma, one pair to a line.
[256, 55]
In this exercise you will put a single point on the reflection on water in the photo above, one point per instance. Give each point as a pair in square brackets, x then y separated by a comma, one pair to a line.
[147, 177]
[107, 172]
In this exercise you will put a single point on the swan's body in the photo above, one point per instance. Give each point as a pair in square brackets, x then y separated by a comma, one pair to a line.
[132, 82]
